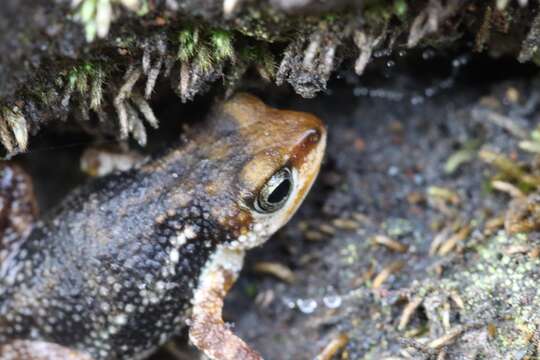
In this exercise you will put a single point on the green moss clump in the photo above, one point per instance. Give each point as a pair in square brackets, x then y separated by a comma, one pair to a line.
[188, 41]
[87, 80]
[222, 42]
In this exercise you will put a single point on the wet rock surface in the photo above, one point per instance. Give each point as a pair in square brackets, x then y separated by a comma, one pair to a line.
[398, 248]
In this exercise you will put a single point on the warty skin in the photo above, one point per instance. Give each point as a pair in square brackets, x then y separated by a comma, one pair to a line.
[128, 260]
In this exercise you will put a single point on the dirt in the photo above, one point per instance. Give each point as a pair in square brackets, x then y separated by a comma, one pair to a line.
[388, 148]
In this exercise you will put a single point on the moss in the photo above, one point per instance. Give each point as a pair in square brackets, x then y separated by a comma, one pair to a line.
[261, 56]
[188, 41]
[80, 86]
[400, 8]
[204, 58]
[222, 42]
[206, 47]
[87, 80]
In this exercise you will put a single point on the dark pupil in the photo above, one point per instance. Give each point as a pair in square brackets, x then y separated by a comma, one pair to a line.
[280, 192]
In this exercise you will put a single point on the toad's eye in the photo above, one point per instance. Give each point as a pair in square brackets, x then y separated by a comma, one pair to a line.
[275, 192]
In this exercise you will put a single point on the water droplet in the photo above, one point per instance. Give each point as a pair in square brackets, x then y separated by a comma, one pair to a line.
[430, 91]
[307, 306]
[381, 53]
[289, 303]
[428, 54]
[393, 170]
[360, 91]
[332, 301]
[417, 100]
[460, 61]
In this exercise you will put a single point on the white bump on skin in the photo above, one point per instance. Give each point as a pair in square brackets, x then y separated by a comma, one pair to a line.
[120, 319]
[174, 255]
[189, 232]
[179, 240]
[160, 285]
[154, 299]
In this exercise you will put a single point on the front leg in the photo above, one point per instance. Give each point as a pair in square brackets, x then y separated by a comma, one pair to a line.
[38, 350]
[208, 332]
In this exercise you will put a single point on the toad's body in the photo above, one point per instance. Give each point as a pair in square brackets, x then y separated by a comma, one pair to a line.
[125, 262]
